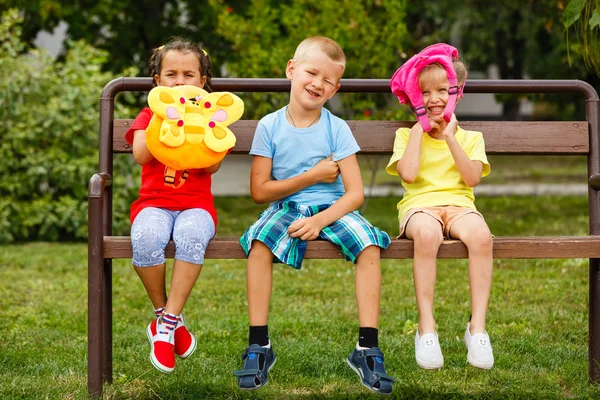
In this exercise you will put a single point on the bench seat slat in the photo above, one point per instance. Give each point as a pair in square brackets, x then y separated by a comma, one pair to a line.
[544, 247]
[377, 137]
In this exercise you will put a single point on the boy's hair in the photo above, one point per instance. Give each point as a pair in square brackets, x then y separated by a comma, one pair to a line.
[327, 46]
[185, 46]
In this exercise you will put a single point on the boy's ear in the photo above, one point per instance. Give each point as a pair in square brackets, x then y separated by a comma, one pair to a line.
[289, 69]
[157, 79]
[337, 87]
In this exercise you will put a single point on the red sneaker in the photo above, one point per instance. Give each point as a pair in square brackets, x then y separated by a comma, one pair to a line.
[162, 352]
[185, 342]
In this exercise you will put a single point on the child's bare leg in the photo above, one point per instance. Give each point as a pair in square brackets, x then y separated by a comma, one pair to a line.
[259, 281]
[153, 279]
[475, 234]
[183, 280]
[426, 232]
[368, 286]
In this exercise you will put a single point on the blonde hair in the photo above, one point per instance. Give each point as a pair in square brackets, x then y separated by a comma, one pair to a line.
[459, 67]
[327, 46]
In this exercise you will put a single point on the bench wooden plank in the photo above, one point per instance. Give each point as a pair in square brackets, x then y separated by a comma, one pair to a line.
[377, 137]
[543, 247]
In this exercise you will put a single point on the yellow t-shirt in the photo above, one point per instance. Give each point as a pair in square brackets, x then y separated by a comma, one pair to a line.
[439, 183]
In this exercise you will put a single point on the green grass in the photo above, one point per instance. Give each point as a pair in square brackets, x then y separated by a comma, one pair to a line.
[537, 321]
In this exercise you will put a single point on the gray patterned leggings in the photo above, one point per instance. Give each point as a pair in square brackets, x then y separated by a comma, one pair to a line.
[153, 227]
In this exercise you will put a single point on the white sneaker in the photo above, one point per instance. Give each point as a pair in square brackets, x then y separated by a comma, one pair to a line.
[428, 351]
[479, 349]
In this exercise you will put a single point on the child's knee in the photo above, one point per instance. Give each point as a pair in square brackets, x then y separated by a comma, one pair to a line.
[191, 238]
[428, 239]
[260, 251]
[479, 241]
[148, 238]
[369, 255]
[148, 246]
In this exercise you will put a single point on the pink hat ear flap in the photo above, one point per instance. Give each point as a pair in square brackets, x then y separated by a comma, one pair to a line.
[453, 92]
[416, 98]
[397, 87]
[451, 104]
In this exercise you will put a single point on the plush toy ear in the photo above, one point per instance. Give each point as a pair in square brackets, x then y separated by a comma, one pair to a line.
[223, 107]
[166, 102]
[220, 109]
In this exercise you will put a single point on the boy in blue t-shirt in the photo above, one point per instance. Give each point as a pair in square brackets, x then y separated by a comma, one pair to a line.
[305, 166]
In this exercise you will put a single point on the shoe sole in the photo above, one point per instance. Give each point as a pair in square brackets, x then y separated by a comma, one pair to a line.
[264, 384]
[154, 361]
[478, 365]
[425, 365]
[362, 378]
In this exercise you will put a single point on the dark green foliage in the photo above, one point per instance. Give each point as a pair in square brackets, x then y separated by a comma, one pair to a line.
[49, 137]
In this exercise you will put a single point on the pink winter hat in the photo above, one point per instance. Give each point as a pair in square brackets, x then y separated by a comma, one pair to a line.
[405, 82]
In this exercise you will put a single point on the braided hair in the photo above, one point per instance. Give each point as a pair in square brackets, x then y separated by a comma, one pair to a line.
[185, 46]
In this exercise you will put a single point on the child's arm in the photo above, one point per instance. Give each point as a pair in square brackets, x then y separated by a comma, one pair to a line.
[470, 170]
[264, 189]
[141, 154]
[408, 166]
[213, 168]
[309, 228]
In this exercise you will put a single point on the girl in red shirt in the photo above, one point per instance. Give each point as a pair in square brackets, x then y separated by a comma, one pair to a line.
[182, 210]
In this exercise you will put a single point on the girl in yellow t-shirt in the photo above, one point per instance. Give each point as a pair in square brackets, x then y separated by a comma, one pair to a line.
[439, 169]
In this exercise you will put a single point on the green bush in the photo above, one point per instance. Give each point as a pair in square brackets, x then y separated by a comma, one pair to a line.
[49, 137]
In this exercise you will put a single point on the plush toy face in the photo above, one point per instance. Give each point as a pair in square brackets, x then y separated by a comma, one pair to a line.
[189, 126]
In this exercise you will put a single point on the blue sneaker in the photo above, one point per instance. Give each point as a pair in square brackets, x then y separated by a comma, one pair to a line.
[368, 364]
[258, 361]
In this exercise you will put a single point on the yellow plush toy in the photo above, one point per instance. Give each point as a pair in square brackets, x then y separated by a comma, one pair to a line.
[188, 129]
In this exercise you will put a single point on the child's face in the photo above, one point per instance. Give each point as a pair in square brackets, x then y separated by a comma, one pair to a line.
[434, 86]
[180, 68]
[315, 79]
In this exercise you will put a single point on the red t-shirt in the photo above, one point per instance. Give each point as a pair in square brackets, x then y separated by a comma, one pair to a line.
[195, 193]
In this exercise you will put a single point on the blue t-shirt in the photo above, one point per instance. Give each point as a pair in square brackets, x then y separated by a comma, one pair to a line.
[296, 150]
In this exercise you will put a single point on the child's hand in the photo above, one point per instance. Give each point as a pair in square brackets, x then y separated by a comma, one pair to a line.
[417, 128]
[305, 229]
[451, 128]
[326, 170]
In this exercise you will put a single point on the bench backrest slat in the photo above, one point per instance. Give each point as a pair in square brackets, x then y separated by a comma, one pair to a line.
[377, 137]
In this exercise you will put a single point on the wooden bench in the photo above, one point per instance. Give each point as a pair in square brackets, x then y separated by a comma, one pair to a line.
[374, 137]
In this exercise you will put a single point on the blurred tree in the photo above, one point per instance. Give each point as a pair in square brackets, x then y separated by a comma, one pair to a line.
[524, 39]
[264, 37]
[48, 138]
[245, 38]
[126, 29]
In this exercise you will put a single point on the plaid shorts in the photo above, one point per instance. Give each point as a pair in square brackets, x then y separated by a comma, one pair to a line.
[352, 233]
